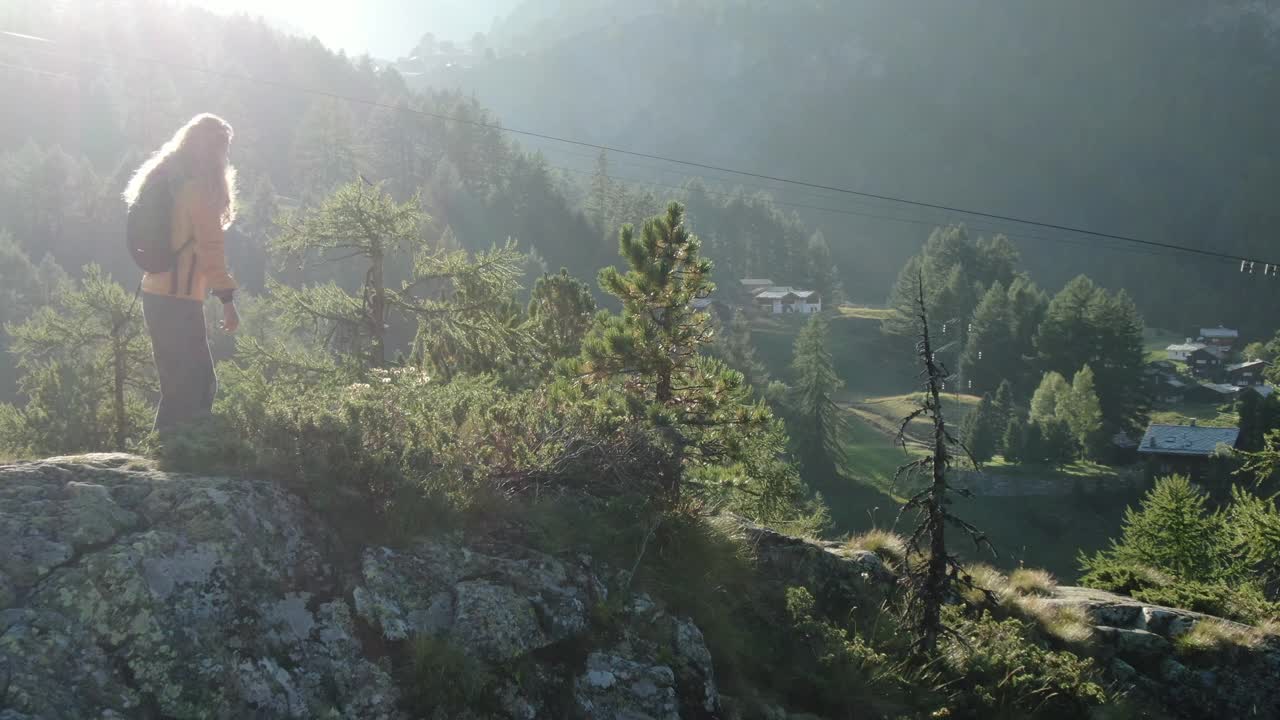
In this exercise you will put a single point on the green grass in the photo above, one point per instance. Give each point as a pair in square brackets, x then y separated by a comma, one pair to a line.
[866, 312]
[869, 362]
[873, 457]
[888, 411]
[1046, 532]
[1082, 469]
[1209, 414]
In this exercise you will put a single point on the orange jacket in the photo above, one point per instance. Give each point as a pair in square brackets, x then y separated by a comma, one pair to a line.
[202, 264]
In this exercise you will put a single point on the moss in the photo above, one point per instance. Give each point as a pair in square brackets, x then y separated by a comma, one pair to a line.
[439, 679]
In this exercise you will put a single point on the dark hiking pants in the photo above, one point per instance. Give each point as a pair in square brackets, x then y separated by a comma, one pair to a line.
[183, 360]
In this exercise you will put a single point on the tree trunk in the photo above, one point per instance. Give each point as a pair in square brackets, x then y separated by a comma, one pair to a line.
[935, 585]
[118, 350]
[377, 305]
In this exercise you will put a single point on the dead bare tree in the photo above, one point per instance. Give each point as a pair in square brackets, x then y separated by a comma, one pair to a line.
[932, 581]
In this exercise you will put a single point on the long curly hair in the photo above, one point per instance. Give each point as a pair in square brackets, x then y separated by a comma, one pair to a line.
[198, 151]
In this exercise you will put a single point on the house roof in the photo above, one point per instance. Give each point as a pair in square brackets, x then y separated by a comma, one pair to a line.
[756, 281]
[778, 293]
[1186, 347]
[1243, 365]
[701, 303]
[1263, 390]
[1219, 332]
[1221, 388]
[1186, 440]
[1174, 383]
[1208, 350]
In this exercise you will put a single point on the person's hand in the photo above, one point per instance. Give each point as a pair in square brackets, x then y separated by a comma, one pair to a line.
[230, 317]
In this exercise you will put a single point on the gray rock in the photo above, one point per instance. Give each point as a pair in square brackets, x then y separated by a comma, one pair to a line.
[140, 593]
[613, 687]
[1134, 646]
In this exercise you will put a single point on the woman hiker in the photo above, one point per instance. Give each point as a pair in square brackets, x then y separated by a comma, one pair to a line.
[192, 175]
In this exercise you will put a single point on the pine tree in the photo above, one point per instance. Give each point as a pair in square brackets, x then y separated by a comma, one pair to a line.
[1027, 306]
[819, 421]
[652, 351]
[982, 430]
[1250, 431]
[1066, 339]
[1003, 408]
[86, 364]
[560, 312]
[1058, 446]
[1013, 441]
[1084, 325]
[656, 339]
[1121, 358]
[990, 353]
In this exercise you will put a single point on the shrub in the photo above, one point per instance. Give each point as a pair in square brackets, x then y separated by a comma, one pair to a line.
[1241, 602]
[1003, 672]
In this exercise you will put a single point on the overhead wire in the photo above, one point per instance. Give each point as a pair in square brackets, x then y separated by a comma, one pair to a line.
[84, 59]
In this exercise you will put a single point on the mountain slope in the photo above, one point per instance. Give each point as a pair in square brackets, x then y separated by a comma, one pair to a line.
[1147, 119]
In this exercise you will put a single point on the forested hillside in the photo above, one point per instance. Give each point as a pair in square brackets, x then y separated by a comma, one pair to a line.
[501, 426]
[1147, 119]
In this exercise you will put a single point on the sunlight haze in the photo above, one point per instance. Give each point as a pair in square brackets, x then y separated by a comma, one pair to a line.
[381, 28]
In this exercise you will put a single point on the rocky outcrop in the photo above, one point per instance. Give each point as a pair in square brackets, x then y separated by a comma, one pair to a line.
[127, 592]
[1138, 643]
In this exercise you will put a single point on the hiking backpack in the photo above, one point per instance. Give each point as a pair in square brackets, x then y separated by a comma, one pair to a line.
[150, 225]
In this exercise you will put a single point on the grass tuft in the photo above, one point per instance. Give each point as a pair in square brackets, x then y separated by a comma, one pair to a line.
[981, 579]
[1031, 581]
[889, 547]
[1067, 623]
[1211, 635]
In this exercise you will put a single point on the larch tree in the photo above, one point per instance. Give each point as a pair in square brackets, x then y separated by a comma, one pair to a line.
[86, 365]
[1082, 412]
[359, 223]
[1044, 403]
[819, 422]
[932, 581]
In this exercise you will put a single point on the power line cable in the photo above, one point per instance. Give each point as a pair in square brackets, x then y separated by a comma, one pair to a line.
[1247, 263]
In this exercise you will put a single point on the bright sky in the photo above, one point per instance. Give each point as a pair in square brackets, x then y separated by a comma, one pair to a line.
[383, 28]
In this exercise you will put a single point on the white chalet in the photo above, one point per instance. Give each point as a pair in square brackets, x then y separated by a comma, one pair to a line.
[788, 300]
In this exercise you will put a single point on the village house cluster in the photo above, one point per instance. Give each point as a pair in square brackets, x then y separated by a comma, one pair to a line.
[1207, 375]
[1208, 360]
